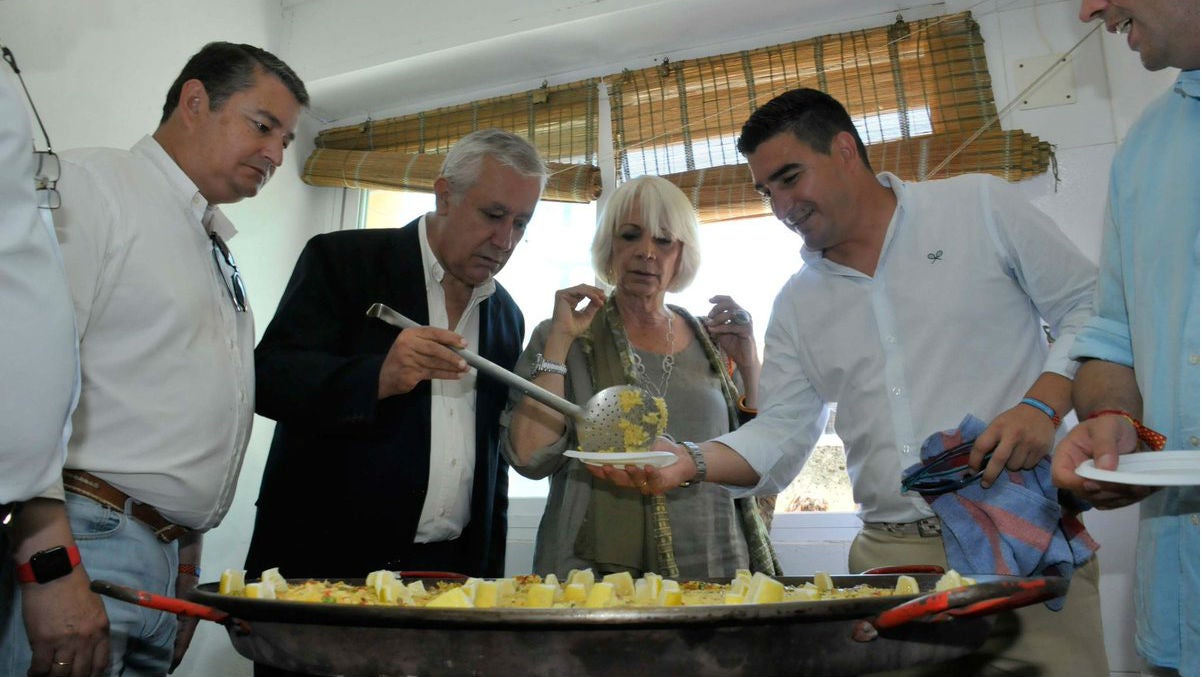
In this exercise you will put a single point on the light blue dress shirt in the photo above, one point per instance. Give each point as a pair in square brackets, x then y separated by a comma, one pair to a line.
[1147, 318]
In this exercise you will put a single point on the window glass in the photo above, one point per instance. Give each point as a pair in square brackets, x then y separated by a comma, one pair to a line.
[748, 260]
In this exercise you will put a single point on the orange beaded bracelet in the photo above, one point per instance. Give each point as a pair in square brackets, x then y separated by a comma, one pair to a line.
[1153, 439]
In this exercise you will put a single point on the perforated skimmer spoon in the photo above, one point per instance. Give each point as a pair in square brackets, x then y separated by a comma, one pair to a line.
[601, 424]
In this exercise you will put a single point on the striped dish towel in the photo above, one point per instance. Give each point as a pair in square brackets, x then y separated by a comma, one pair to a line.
[1020, 526]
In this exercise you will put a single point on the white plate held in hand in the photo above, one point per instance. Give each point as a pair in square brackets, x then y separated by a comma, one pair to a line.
[659, 459]
[1148, 468]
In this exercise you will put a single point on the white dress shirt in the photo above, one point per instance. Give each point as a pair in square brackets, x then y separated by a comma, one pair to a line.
[168, 372]
[448, 505]
[39, 362]
[949, 325]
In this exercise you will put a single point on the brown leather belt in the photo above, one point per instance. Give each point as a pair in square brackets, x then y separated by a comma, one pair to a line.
[86, 484]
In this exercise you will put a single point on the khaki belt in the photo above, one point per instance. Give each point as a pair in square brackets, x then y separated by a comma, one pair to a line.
[91, 486]
[926, 527]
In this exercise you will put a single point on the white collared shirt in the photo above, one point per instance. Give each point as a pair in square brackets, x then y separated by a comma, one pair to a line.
[448, 505]
[168, 371]
[39, 362]
[948, 325]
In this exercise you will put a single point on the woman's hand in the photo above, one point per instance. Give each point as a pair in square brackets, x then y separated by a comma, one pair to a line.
[730, 327]
[569, 320]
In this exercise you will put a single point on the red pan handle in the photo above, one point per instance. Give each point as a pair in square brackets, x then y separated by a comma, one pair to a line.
[973, 600]
[161, 603]
[437, 575]
[906, 569]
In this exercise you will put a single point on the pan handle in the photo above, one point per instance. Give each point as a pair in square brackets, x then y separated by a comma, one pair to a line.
[434, 575]
[160, 602]
[905, 569]
[973, 600]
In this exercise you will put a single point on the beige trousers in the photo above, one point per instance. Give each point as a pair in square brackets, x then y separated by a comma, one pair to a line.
[1031, 641]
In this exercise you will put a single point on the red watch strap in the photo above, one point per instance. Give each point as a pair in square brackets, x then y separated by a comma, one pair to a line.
[25, 571]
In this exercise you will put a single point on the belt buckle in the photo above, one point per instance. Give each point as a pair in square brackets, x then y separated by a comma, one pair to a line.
[169, 532]
[930, 526]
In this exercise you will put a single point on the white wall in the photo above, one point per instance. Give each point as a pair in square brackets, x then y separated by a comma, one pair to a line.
[100, 69]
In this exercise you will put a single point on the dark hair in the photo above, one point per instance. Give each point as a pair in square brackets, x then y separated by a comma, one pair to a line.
[814, 117]
[226, 69]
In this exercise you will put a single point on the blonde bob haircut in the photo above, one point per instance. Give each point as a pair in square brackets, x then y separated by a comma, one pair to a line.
[664, 210]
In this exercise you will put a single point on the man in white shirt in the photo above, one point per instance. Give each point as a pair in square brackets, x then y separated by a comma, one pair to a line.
[166, 349]
[919, 303]
[39, 370]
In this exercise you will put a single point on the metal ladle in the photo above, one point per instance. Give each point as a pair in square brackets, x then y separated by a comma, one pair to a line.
[600, 425]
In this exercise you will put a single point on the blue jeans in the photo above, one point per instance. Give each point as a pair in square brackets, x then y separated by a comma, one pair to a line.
[117, 548]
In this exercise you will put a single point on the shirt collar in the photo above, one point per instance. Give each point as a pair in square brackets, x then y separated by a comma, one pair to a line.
[887, 179]
[208, 216]
[1187, 84]
[434, 270]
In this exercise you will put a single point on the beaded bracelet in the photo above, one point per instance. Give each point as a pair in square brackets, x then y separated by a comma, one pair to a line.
[1044, 407]
[190, 570]
[1153, 439]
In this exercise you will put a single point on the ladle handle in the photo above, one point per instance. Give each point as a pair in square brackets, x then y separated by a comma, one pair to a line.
[383, 312]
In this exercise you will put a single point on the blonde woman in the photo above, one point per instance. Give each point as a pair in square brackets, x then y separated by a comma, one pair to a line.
[645, 246]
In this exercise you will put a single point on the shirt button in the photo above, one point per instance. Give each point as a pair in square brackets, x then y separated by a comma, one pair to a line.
[454, 462]
[1194, 519]
[1193, 359]
[906, 449]
[891, 339]
[896, 392]
[1193, 440]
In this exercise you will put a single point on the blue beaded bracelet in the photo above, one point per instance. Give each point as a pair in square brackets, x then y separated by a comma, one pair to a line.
[1042, 406]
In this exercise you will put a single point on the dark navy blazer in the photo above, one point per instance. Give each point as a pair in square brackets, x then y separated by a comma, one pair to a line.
[347, 473]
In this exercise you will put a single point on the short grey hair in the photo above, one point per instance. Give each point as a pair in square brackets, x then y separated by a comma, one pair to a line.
[665, 211]
[462, 166]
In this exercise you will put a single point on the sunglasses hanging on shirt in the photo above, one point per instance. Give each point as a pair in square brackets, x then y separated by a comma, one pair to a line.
[45, 178]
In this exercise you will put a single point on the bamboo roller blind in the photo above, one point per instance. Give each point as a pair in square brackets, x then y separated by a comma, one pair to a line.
[917, 90]
[406, 153]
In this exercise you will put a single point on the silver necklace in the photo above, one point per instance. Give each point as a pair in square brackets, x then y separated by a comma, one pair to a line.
[669, 361]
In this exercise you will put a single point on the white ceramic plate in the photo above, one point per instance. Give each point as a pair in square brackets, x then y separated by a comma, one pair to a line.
[659, 459]
[1148, 468]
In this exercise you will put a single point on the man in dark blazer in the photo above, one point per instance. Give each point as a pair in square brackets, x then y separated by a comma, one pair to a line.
[378, 461]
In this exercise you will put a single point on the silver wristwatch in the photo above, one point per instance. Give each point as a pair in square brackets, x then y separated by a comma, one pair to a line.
[699, 461]
[542, 366]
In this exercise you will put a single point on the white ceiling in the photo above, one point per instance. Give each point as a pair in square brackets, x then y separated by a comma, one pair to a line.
[383, 57]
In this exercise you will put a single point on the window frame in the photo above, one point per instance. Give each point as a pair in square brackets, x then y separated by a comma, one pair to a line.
[355, 212]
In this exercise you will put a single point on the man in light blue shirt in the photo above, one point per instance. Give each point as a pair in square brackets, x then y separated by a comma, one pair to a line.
[1139, 375]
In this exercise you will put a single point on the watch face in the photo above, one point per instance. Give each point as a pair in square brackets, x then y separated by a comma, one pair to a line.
[51, 564]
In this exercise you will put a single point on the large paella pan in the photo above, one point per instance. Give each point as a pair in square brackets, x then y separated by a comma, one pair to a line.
[832, 637]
